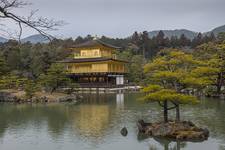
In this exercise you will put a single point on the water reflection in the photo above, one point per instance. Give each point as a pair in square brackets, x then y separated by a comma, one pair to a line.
[91, 120]
[168, 145]
[120, 100]
[96, 124]
[164, 144]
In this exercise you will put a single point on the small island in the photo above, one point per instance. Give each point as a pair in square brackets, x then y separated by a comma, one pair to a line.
[175, 78]
[177, 131]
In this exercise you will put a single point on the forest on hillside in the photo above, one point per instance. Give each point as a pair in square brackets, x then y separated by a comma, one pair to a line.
[33, 61]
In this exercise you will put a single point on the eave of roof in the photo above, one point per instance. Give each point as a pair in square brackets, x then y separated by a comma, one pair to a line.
[93, 43]
[90, 60]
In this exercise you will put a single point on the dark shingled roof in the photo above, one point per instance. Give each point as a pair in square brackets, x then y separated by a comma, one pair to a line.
[93, 43]
[98, 59]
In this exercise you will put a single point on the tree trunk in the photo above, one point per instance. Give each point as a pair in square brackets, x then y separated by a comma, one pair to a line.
[165, 109]
[178, 113]
[166, 146]
[178, 145]
[219, 83]
[53, 89]
[218, 91]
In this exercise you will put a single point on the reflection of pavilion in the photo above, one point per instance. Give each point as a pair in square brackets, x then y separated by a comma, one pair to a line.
[120, 100]
[92, 120]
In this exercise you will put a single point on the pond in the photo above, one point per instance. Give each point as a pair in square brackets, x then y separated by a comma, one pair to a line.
[95, 124]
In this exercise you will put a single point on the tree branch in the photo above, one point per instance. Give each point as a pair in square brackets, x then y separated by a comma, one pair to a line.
[40, 24]
[160, 104]
[171, 108]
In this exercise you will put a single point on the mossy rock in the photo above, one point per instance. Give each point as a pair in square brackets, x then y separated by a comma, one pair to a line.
[182, 131]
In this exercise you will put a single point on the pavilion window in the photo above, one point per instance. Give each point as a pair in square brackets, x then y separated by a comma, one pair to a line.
[95, 53]
[83, 53]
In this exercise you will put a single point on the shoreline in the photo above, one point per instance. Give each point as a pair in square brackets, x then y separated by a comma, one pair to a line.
[18, 96]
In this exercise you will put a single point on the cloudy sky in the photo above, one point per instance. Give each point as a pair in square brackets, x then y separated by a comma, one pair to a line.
[120, 18]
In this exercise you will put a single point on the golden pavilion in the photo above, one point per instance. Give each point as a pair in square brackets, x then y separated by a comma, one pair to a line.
[94, 64]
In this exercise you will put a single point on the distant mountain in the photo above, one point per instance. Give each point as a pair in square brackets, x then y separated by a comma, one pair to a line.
[189, 34]
[3, 40]
[37, 38]
[217, 30]
[178, 32]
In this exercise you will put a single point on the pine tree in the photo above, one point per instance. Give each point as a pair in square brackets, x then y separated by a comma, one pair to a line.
[160, 39]
[213, 54]
[184, 41]
[55, 77]
[145, 43]
[174, 42]
[212, 37]
[3, 67]
[30, 88]
[198, 40]
[170, 74]
[135, 39]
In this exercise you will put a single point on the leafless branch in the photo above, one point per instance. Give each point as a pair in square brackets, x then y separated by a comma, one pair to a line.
[40, 24]
[7, 33]
[21, 31]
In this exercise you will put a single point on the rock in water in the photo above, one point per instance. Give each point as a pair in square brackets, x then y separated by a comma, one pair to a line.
[182, 131]
[124, 131]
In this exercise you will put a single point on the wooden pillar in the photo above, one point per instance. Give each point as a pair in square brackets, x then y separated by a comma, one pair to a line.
[107, 81]
[89, 82]
[97, 79]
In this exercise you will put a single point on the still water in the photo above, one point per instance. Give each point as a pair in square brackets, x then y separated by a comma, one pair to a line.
[95, 125]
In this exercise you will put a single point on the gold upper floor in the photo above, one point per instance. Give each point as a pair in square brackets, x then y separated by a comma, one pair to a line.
[93, 53]
[94, 49]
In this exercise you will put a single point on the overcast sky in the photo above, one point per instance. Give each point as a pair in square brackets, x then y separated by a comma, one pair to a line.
[120, 18]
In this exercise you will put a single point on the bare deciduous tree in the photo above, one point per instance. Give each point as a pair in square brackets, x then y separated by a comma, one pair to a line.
[40, 24]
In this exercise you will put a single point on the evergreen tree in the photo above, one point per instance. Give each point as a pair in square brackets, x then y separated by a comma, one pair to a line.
[174, 42]
[135, 39]
[166, 42]
[198, 40]
[221, 37]
[55, 77]
[134, 67]
[213, 54]
[169, 75]
[212, 37]
[79, 40]
[145, 43]
[3, 67]
[160, 39]
[30, 88]
[184, 41]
